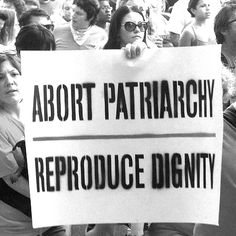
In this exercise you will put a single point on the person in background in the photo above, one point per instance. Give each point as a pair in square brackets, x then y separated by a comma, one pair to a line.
[200, 31]
[225, 31]
[63, 14]
[18, 6]
[15, 212]
[179, 19]
[113, 4]
[227, 209]
[127, 26]
[104, 15]
[151, 10]
[50, 6]
[144, 7]
[9, 29]
[3, 32]
[37, 16]
[81, 33]
[34, 37]
[158, 22]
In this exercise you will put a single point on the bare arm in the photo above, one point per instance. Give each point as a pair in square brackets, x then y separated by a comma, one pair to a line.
[174, 38]
[186, 38]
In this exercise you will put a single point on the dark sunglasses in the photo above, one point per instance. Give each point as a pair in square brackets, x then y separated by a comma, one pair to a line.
[49, 27]
[131, 26]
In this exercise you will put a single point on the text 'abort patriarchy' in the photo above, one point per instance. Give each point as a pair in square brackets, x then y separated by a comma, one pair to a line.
[124, 100]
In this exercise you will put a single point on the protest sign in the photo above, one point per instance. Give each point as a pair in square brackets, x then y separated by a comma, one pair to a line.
[113, 140]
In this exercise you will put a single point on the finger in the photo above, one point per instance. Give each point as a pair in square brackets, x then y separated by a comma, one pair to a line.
[138, 50]
[128, 50]
[133, 51]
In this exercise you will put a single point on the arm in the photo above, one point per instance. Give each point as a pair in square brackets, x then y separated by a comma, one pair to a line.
[21, 185]
[174, 38]
[186, 38]
[19, 7]
[15, 180]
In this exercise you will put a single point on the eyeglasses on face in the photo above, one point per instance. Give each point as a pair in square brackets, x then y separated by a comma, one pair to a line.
[131, 26]
[231, 21]
[49, 27]
[105, 8]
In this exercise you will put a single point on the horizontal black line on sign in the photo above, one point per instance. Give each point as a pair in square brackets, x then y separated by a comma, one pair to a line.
[126, 136]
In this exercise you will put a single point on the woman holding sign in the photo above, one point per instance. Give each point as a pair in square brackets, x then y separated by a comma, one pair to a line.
[128, 28]
[15, 212]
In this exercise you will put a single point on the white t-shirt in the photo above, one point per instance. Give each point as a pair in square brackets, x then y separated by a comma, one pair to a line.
[180, 17]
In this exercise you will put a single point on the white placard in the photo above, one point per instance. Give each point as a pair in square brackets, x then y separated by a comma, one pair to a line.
[113, 140]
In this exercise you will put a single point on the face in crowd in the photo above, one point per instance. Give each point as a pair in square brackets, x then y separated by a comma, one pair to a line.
[104, 14]
[9, 84]
[201, 9]
[79, 18]
[66, 10]
[230, 33]
[133, 28]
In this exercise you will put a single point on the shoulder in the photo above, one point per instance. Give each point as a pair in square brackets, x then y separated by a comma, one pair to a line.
[187, 37]
[188, 32]
[11, 129]
[189, 29]
[61, 29]
[4, 121]
[98, 30]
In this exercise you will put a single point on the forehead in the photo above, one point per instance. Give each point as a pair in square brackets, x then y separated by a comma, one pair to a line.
[104, 3]
[132, 16]
[39, 20]
[200, 2]
[77, 9]
[5, 66]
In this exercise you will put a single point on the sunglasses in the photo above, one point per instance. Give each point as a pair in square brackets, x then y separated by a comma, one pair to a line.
[131, 26]
[49, 27]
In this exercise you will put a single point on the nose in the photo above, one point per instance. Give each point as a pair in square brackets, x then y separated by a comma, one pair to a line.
[108, 9]
[9, 80]
[137, 29]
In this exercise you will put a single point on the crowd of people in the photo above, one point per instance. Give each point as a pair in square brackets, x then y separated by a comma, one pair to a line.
[135, 25]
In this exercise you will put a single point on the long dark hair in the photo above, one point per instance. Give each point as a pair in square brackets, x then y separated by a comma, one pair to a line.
[115, 26]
